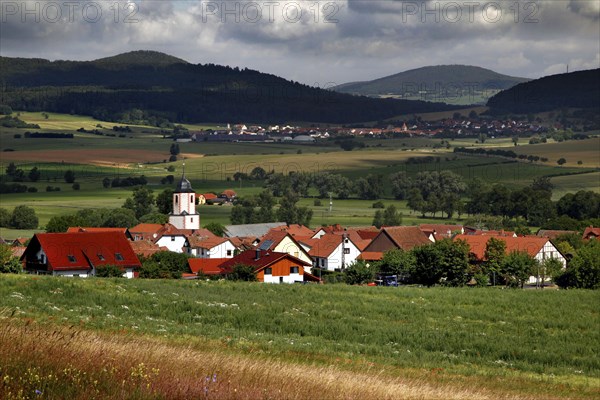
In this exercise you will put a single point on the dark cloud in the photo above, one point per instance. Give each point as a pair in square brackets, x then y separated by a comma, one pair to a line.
[320, 41]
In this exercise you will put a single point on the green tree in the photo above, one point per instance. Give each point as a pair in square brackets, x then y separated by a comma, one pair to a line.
[106, 183]
[584, 269]
[242, 272]
[120, 218]
[141, 202]
[4, 218]
[561, 161]
[550, 268]
[370, 187]
[378, 219]
[60, 223]
[495, 252]
[9, 264]
[174, 150]
[359, 272]
[391, 216]
[266, 203]
[164, 201]
[69, 176]
[108, 271]
[23, 217]
[398, 262]
[237, 215]
[34, 174]
[216, 228]
[517, 267]
[154, 218]
[290, 213]
[427, 269]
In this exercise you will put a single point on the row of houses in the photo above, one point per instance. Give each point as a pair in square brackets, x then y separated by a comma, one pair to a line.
[278, 252]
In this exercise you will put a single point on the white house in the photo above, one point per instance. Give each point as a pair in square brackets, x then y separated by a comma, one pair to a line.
[211, 247]
[333, 252]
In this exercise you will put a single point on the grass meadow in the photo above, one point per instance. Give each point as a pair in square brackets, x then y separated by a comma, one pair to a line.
[111, 338]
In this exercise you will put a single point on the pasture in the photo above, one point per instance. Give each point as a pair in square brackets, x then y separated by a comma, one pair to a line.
[339, 341]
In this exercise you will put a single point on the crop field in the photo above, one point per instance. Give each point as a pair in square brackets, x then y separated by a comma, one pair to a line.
[587, 151]
[315, 341]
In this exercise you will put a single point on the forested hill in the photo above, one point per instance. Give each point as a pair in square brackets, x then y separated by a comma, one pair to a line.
[576, 89]
[430, 77]
[166, 87]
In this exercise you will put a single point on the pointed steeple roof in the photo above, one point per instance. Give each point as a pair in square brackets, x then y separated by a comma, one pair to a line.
[184, 186]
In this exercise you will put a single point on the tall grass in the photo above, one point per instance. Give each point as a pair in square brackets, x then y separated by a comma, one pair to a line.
[541, 341]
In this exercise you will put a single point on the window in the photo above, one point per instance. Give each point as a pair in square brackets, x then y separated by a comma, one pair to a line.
[192, 219]
[71, 258]
[268, 271]
[322, 262]
[119, 257]
[100, 257]
[172, 238]
[294, 270]
[346, 250]
[228, 253]
[176, 199]
[192, 198]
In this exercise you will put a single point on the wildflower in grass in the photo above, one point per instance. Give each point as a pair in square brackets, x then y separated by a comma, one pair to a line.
[214, 378]
[38, 392]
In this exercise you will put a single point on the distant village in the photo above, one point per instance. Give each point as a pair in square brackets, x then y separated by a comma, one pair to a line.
[463, 126]
[277, 252]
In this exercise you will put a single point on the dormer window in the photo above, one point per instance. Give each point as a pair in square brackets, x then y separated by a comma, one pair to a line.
[119, 257]
[71, 258]
[101, 257]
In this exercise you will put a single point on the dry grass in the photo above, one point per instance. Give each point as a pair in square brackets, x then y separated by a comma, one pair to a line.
[100, 157]
[70, 363]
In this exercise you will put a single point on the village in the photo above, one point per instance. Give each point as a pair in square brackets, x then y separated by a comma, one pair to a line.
[457, 126]
[276, 252]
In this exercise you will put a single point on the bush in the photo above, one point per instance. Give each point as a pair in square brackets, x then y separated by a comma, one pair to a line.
[242, 272]
[317, 203]
[108, 271]
[378, 204]
[76, 186]
[584, 269]
[24, 217]
[360, 272]
[32, 189]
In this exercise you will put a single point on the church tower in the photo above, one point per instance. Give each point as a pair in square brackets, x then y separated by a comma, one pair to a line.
[184, 206]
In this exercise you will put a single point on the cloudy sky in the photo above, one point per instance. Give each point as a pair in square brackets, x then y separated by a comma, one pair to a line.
[315, 42]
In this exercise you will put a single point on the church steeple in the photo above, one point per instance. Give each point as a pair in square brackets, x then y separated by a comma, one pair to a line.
[184, 214]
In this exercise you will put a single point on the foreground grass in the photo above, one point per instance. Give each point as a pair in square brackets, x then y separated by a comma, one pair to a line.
[307, 341]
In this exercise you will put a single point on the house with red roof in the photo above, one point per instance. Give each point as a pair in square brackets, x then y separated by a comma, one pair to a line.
[208, 266]
[441, 231]
[394, 237]
[146, 248]
[591, 233]
[203, 198]
[146, 231]
[79, 254]
[540, 248]
[125, 231]
[283, 242]
[209, 247]
[333, 252]
[273, 267]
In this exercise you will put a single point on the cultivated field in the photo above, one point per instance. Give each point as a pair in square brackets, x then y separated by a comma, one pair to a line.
[161, 339]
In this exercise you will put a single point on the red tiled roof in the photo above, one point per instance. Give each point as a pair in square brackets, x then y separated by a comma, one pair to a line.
[229, 193]
[206, 243]
[406, 237]
[371, 255]
[94, 229]
[590, 232]
[208, 266]
[324, 246]
[266, 258]
[86, 249]
[275, 236]
[530, 244]
[208, 196]
[295, 230]
[553, 234]
[146, 228]
[145, 247]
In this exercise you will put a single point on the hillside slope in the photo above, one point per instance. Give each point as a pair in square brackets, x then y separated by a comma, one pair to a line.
[579, 89]
[168, 88]
[447, 80]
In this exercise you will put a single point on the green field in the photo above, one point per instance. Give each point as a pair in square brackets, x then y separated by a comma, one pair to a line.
[501, 343]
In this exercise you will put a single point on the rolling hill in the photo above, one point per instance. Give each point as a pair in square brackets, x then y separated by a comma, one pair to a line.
[161, 87]
[460, 84]
[579, 89]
